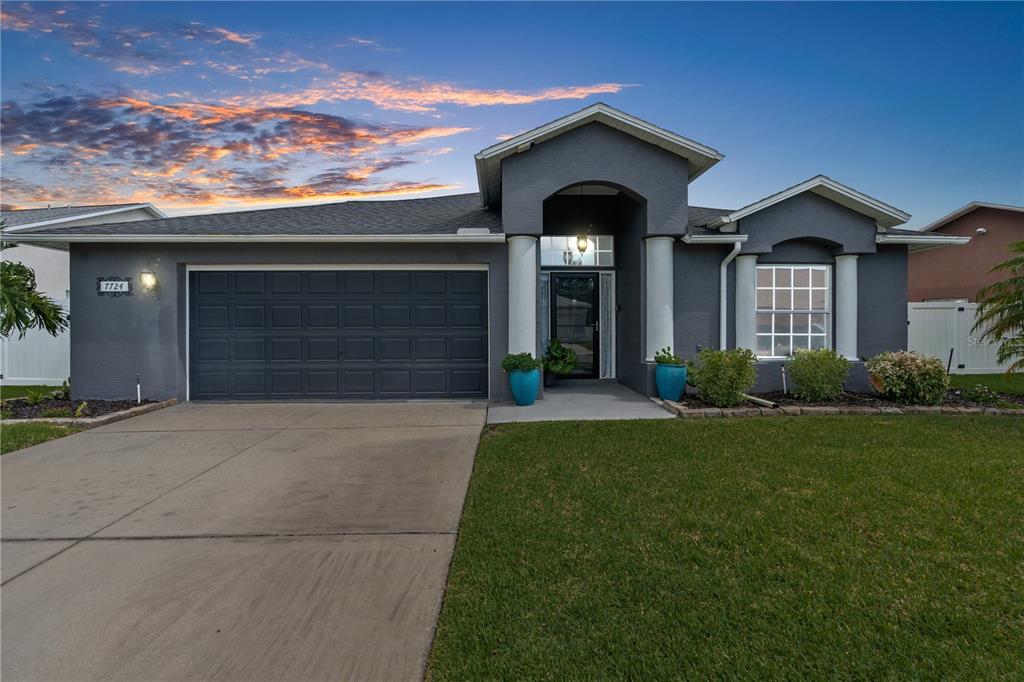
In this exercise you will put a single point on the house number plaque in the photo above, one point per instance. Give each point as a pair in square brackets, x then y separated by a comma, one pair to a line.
[113, 286]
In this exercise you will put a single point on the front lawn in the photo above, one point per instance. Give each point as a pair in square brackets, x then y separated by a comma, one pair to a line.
[21, 391]
[1000, 383]
[822, 547]
[17, 436]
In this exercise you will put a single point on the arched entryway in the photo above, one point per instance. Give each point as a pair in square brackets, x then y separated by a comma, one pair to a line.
[589, 294]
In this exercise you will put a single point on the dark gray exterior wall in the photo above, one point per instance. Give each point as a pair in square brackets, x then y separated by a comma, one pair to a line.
[594, 153]
[113, 338]
[805, 229]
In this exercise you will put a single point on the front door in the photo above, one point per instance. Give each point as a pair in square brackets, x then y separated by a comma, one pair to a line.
[574, 318]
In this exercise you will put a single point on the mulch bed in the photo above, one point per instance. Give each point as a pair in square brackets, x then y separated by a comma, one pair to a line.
[17, 408]
[954, 398]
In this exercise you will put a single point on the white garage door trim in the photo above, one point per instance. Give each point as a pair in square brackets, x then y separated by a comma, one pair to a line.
[227, 267]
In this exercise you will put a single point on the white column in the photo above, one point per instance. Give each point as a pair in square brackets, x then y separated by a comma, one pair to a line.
[660, 284]
[522, 295]
[846, 306]
[746, 302]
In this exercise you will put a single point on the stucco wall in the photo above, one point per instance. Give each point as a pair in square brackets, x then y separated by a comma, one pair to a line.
[115, 338]
[594, 153]
[953, 272]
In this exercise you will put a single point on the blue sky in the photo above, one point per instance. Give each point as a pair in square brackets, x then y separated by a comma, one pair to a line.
[212, 106]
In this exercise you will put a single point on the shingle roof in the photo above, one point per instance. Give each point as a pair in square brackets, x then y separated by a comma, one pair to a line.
[27, 216]
[434, 215]
[700, 216]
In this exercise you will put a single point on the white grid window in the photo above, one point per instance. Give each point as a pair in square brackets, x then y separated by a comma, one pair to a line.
[793, 308]
[563, 251]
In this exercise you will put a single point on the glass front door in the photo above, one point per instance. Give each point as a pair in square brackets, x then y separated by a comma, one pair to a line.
[574, 318]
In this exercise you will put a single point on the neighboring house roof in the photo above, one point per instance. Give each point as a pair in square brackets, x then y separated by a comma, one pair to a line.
[488, 161]
[885, 215]
[973, 206]
[31, 218]
[457, 217]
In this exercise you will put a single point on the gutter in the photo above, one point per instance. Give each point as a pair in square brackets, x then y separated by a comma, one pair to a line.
[723, 283]
[723, 292]
[493, 238]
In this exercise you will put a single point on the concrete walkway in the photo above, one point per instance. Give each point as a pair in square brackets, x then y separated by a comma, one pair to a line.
[287, 541]
[574, 399]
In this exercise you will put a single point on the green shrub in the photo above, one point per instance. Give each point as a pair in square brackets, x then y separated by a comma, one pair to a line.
[981, 394]
[520, 362]
[34, 396]
[665, 356]
[818, 375]
[82, 408]
[723, 376]
[559, 359]
[909, 378]
[64, 392]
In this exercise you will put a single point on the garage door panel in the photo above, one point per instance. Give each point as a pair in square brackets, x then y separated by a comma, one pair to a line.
[394, 315]
[286, 349]
[322, 316]
[324, 283]
[323, 349]
[358, 316]
[337, 334]
[250, 283]
[250, 350]
[286, 283]
[359, 283]
[285, 316]
[359, 349]
[250, 316]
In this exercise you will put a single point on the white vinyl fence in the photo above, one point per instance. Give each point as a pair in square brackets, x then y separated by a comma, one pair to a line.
[936, 327]
[36, 358]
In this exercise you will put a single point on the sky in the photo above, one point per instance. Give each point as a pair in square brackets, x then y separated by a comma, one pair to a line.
[200, 107]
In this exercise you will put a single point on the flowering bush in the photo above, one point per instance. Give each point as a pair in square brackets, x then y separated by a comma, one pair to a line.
[723, 376]
[818, 375]
[909, 378]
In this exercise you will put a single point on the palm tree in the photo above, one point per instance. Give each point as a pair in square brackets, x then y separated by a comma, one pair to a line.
[1001, 310]
[21, 306]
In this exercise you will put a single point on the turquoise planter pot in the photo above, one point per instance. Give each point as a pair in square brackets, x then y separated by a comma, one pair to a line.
[671, 381]
[524, 386]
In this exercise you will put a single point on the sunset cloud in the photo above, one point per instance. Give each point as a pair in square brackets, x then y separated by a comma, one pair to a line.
[198, 153]
[419, 95]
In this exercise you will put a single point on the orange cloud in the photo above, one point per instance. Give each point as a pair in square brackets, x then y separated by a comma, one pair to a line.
[418, 95]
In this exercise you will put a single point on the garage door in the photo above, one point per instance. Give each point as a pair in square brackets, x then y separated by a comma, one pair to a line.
[354, 334]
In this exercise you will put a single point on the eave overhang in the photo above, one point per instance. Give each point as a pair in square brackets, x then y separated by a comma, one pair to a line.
[273, 238]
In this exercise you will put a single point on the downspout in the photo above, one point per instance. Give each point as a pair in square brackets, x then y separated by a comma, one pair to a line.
[723, 292]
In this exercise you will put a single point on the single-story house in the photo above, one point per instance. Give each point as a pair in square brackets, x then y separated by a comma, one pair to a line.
[37, 358]
[581, 230]
[958, 274]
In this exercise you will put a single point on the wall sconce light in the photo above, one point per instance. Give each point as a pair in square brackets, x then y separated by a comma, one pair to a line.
[148, 281]
[581, 243]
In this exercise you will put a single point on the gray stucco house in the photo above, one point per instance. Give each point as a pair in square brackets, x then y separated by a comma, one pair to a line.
[422, 298]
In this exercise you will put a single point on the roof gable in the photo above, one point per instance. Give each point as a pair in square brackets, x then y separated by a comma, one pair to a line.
[885, 216]
[969, 208]
[488, 161]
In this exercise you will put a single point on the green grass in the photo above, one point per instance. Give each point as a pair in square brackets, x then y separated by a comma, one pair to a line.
[825, 547]
[1000, 383]
[20, 391]
[17, 436]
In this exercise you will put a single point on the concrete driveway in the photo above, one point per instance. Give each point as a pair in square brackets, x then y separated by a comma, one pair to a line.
[269, 541]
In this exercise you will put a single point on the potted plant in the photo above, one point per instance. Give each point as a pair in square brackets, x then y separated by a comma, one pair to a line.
[558, 361]
[670, 374]
[523, 376]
